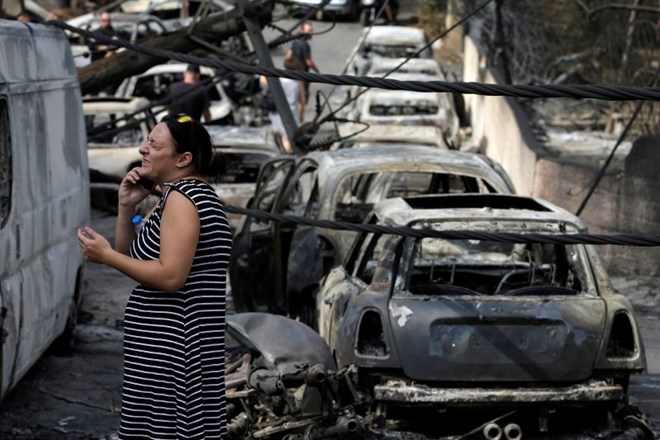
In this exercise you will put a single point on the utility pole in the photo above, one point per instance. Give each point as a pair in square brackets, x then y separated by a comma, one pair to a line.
[263, 55]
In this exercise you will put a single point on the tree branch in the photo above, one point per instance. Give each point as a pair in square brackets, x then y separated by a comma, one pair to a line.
[617, 6]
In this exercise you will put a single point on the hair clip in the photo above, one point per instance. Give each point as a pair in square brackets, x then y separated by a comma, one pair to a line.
[184, 118]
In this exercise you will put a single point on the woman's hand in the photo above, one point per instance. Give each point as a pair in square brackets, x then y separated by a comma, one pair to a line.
[130, 191]
[94, 246]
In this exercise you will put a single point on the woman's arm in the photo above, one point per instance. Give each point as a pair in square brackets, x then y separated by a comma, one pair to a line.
[129, 195]
[179, 234]
[124, 229]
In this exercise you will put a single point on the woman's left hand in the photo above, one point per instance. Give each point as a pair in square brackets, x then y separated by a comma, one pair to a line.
[93, 245]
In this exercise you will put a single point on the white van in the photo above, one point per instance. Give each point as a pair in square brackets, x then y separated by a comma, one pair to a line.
[44, 194]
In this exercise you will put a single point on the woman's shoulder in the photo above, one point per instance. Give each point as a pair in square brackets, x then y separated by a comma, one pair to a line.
[194, 189]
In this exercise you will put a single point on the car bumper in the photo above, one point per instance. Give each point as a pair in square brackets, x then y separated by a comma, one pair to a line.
[595, 391]
[333, 7]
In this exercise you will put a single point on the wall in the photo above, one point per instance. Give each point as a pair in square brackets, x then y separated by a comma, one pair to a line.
[624, 200]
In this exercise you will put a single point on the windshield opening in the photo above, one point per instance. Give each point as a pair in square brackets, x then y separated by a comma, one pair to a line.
[480, 267]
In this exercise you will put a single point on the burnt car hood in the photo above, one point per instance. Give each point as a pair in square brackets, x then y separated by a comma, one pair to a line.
[279, 339]
[473, 339]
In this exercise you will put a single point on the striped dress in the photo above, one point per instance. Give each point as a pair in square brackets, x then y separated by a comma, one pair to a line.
[174, 384]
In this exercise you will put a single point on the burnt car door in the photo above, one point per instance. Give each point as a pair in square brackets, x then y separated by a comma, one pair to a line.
[299, 197]
[252, 267]
[313, 250]
[346, 281]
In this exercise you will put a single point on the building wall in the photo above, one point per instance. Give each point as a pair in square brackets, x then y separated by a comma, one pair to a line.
[624, 200]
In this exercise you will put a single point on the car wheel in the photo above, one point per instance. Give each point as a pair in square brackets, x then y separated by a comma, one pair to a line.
[63, 343]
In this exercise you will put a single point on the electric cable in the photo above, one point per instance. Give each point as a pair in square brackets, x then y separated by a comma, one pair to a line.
[501, 237]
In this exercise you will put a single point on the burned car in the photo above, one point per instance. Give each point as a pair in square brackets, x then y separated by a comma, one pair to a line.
[337, 185]
[128, 27]
[422, 66]
[115, 129]
[353, 135]
[243, 151]
[457, 335]
[154, 85]
[386, 42]
[404, 107]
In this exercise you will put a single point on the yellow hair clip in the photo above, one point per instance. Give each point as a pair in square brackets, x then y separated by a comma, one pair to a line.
[184, 118]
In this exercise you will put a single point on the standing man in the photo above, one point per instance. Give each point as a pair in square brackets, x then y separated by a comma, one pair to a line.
[105, 28]
[188, 97]
[302, 52]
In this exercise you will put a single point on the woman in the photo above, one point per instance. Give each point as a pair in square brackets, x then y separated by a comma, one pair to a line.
[175, 318]
[295, 96]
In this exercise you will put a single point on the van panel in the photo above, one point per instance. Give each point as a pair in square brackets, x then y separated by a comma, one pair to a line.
[40, 262]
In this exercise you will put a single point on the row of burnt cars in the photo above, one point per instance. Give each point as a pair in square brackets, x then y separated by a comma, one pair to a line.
[374, 334]
[379, 334]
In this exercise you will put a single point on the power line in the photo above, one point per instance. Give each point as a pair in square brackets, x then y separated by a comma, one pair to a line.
[503, 237]
[604, 92]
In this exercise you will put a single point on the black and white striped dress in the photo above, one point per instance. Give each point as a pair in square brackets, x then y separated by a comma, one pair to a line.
[174, 384]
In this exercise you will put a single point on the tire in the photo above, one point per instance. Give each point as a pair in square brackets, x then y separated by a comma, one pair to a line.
[63, 343]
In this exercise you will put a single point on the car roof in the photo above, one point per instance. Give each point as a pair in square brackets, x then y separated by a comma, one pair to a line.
[107, 104]
[412, 63]
[386, 133]
[384, 95]
[176, 68]
[477, 211]
[409, 94]
[337, 163]
[393, 35]
[117, 17]
[243, 139]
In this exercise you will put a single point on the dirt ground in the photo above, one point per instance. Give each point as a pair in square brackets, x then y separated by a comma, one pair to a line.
[77, 395]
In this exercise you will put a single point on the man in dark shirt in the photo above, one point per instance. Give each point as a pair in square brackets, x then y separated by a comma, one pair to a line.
[188, 97]
[302, 52]
[101, 50]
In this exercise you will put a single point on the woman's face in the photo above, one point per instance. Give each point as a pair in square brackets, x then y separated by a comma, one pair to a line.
[159, 156]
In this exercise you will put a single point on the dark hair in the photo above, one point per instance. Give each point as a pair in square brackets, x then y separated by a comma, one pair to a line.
[194, 68]
[191, 136]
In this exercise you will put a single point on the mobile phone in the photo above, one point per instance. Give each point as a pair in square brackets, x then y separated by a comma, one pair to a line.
[146, 183]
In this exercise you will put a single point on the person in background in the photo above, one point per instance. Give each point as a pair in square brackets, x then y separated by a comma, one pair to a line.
[100, 50]
[174, 324]
[188, 97]
[295, 97]
[301, 51]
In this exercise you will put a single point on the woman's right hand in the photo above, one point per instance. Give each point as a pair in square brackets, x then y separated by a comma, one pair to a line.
[130, 191]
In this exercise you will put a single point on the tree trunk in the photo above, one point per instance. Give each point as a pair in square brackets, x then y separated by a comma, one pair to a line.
[629, 37]
[215, 27]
